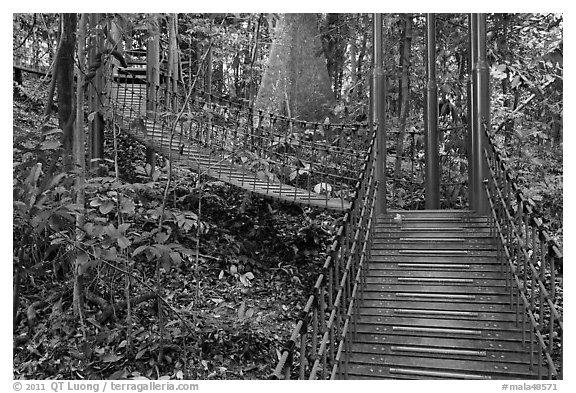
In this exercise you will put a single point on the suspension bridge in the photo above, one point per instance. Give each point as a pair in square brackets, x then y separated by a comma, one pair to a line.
[403, 294]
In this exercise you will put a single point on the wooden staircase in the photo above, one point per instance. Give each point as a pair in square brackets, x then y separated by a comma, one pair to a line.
[435, 305]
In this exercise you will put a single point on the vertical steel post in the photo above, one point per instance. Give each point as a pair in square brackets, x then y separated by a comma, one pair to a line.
[484, 107]
[378, 103]
[481, 111]
[472, 53]
[432, 173]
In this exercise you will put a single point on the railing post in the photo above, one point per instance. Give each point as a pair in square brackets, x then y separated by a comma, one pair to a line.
[378, 104]
[472, 196]
[480, 109]
[432, 185]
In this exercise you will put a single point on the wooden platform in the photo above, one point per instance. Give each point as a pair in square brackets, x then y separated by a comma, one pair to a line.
[436, 304]
[129, 109]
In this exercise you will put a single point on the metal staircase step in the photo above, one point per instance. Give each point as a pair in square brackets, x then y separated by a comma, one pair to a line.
[435, 304]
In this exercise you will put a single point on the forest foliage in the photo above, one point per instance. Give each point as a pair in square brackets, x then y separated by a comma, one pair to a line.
[186, 277]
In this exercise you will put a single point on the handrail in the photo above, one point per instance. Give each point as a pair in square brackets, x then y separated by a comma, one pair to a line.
[320, 340]
[310, 156]
[223, 101]
[530, 258]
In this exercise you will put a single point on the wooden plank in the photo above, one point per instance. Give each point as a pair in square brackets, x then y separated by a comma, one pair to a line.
[382, 270]
[448, 366]
[461, 280]
[438, 326]
[392, 309]
[370, 343]
[473, 306]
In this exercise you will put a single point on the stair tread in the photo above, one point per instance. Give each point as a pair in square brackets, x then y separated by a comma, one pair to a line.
[435, 304]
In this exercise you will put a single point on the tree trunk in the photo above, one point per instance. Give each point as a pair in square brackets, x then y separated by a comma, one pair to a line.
[17, 82]
[296, 78]
[152, 78]
[96, 136]
[404, 93]
[208, 84]
[360, 61]
[253, 57]
[52, 87]
[353, 58]
[152, 64]
[79, 161]
[173, 61]
[335, 48]
[65, 85]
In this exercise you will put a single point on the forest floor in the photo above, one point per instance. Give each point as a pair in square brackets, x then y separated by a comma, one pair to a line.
[233, 303]
[241, 300]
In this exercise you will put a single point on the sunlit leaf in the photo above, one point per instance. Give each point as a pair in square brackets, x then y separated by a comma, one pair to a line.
[123, 242]
[107, 206]
[111, 358]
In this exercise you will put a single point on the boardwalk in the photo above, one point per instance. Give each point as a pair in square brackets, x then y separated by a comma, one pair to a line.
[435, 304]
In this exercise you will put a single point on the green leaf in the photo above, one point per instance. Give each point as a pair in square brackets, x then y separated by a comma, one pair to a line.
[111, 358]
[176, 258]
[155, 175]
[161, 237]
[123, 227]
[139, 250]
[242, 311]
[84, 262]
[127, 206]
[107, 206]
[244, 280]
[111, 231]
[123, 242]
[50, 145]
[166, 262]
[54, 181]
[34, 174]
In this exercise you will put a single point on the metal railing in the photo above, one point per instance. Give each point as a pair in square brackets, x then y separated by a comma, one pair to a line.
[530, 258]
[38, 65]
[321, 340]
[316, 157]
[318, 345]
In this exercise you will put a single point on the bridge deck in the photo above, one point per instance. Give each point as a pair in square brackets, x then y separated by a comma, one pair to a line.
[153, 132]
[436, 305]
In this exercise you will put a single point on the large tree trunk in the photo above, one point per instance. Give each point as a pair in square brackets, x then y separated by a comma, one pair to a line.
[79, 161]
[173, 60]
[152, 77]
[296, 81]
[95, 97]
[335, 49]
[152, 63]
[404, 92]
[361, 56]
[353, 58]
[253, 56]
[65, 85]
